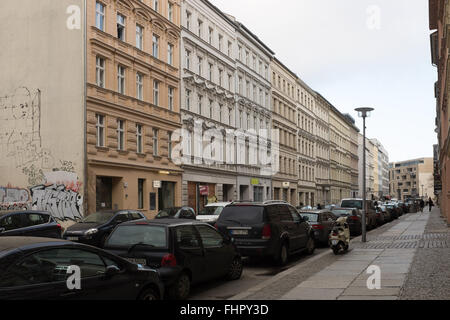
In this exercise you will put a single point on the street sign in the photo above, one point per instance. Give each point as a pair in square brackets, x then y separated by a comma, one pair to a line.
[156, 184]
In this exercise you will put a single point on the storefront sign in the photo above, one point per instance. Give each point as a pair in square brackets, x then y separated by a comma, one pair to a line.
[254, 182]
[156, 184]
[204, 190]
[286, 184]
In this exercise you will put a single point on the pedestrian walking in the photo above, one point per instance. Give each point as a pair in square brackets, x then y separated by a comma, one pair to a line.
[422, 205]
[430, 204]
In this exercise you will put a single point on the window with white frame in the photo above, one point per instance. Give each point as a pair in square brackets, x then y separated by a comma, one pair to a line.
[155, 46]
[121, 27]
[200, 100]
[120, 135]
[121, 79]
[100, 126]
[211, 109]
[200, 28]
[155, 142]
[200, 66]
[188, 99]
[188, 59]
[170, 54]
[210, 35]
[100, 16]
[139, 86]
[100, 72]
[220, 112]
[156, 92]
[139, 37]
[139, 140]
[188, 20]
[170, 12]
[220, 42]
[210, 65]
[171, 97]
[156, 5]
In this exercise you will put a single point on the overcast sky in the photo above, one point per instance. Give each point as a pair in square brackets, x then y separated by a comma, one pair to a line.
[357, 53]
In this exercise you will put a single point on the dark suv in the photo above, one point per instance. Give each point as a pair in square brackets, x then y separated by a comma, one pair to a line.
[29, 224]
[270, 229]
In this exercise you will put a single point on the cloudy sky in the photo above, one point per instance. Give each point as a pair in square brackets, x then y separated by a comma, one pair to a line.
[357, 53]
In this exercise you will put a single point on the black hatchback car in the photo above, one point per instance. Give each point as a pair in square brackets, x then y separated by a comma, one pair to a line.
[271, 229]
[29, 224]
[185, 252]
[96, 227]
[38, 269]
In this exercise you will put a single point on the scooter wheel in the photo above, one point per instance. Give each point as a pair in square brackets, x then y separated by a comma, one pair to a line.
[336, 250]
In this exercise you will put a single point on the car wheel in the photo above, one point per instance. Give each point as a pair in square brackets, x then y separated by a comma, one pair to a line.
[148, 295]
[310, 246]
[180, 290]
[235, 270]
[336, 250]
[283, 254]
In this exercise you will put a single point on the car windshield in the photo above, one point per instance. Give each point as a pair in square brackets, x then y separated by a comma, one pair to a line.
[312, 217]
[211, 211]
[126, 236]
[99, 217]
[340, 212]
[167, 213]
[242, 214]
[351, 204]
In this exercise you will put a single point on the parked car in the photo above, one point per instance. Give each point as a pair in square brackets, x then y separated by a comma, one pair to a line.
[386, 213]
[36, 268]
[322, 222]
[271, 229]
[210, 214]
[184, 252]
[29, 224]
[371, 216]
[176, 213]
[380, 216]
[96, 227]
[395, 211]
[354, 218]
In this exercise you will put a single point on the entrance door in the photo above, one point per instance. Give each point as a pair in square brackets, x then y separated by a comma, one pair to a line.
[103, 192]
[166, 195]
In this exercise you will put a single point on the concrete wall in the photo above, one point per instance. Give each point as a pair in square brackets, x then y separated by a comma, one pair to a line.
[42, 106]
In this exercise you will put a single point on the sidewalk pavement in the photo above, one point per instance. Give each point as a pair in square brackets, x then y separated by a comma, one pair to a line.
[407, 252]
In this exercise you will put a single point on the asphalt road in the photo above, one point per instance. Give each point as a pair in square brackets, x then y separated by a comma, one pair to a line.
[254, 273]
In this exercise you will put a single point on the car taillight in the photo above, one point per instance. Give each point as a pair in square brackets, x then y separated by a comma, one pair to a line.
[169, 261]
[317, 227]
[267, 232]
[216, 226]
[354, 218]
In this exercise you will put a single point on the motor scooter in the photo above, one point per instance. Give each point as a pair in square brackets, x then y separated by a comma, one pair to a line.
[340, 236]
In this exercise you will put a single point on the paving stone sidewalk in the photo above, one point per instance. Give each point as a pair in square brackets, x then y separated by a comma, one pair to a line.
[407, 253]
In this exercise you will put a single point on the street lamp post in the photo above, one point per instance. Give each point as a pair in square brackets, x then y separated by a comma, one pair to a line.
[364, 113]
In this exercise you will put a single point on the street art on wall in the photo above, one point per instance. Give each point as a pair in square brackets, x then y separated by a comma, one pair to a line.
[53, 184]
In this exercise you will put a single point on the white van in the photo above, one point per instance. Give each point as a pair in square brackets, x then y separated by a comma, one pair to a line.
[210, 214]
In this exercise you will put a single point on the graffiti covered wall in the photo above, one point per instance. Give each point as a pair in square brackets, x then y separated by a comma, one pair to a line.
[42, 107]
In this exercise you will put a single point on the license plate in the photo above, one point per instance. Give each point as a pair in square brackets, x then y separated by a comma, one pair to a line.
[72, 238]
[334, 242]
[142, 262]
[239, 232]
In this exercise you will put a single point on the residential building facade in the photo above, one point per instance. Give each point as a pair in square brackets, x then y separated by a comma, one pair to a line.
[412, 179]
[284, 119]
[370, 168]
[439, 12]
[381, 170]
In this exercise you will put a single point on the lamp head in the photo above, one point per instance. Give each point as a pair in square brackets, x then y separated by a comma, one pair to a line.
[364, 112]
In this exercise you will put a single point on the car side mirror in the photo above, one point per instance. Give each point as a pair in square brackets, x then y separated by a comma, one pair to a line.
[111, 271]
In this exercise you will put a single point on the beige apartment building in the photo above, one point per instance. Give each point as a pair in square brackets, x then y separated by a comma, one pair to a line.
[284, 119]
[411, 179]
[132, 104]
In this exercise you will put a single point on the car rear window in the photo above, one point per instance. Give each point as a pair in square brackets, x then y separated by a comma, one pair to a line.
[312, 217]
[351, 204]
[341, 212]
[211, 211]
[242, 214]
[125, 236]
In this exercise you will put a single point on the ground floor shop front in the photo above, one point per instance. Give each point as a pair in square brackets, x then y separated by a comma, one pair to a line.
[286, 191]
[116, 188]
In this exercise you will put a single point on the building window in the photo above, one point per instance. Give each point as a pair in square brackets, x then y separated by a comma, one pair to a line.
[210, 35]
[139, 37]
[155, 142]
[100, 16]
[170, 54]
[200, 99]
[100, 130]
[230, 48]
[155, 46]
[139, 141]
[200, 63]
[169, 144]
[141, 193]
[220, 112]
[220, 42]
[139, 86]
[100, 72]
[156, 93]
[121, 27]
[211, 111]
[120, 135]
[121, 80]
[170, 12]
[171, 97]
[156, 5]
[200, 27]
[188, 100]
[188, 59]
[210, 72]
[188, 20]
